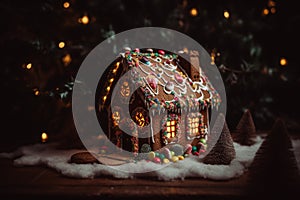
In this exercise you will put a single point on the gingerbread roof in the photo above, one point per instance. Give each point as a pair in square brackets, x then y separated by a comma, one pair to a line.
[165, 83]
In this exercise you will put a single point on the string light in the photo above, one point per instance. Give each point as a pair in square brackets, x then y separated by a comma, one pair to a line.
[283, 62]
[226, 14]
[212, 56]
[108, 88]
[44, 137]
[84, 20]
[194, 12]
[271, 3]
[265, 11]
[36, 93]
[273, 10]
[29, 66]
[61, 45]
[66, 4]
[111, 80]
[104, 98]
[67, 59]
[117, 66]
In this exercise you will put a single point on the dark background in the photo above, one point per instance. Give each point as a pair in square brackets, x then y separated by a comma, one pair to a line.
[247, 48]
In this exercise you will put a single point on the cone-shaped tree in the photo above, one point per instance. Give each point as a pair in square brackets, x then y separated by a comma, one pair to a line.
[245, 132]
[274, 170]
[222, 153]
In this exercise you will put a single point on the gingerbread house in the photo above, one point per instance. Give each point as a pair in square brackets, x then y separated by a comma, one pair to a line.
[169, 100]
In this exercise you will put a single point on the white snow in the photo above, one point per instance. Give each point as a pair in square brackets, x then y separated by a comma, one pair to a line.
[46, 154]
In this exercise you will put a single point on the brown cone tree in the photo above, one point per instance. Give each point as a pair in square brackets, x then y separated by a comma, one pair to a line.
[274, 171]
[245, 132]
[222, 153]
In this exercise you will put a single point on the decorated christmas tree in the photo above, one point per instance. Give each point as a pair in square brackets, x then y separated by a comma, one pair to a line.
[223, 151]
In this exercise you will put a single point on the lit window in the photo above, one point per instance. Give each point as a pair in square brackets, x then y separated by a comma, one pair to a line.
[195, 125]
[116, 117]
[125, 89]
[140, 116]
[171, 129]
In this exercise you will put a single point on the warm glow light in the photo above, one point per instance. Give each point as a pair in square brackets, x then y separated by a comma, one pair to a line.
[265, 11]
[108, 88]
[194, 12]
[169, 129]
[212, 56]
[61, 45]
[115, 70]
[104, 98]
[271, 3]
[67, 59]
[66, 5]
[111, 80]
[44, 137]
[36, 93]
[117, 64]
[140, 119]
[226, 14]
[28, 66]
[283, 62]
[116, 116]
[84, 20]
[273, 10]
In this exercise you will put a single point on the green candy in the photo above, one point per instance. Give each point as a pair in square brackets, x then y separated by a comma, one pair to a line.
[202, 140]
[157, 154]
[194, 148]
[162, 156]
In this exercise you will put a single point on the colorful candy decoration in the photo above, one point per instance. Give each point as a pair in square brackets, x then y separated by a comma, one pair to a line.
[179, 78]
[188, 149]
[196, 153]
[172, 153]
[167, 153]
[194, 148]
[180, 157]
[161, 52]
[152, 81]
[150, 50]
[177, 149]
[175, 159]
[151, 155]
[156, 160]
[137, 59]
[128, 49]
[146, 148]
[169, 86]
[166, 160]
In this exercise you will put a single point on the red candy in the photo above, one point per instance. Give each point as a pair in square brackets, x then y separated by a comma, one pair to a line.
[161, 52]
[156, 160]
[196, 153]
